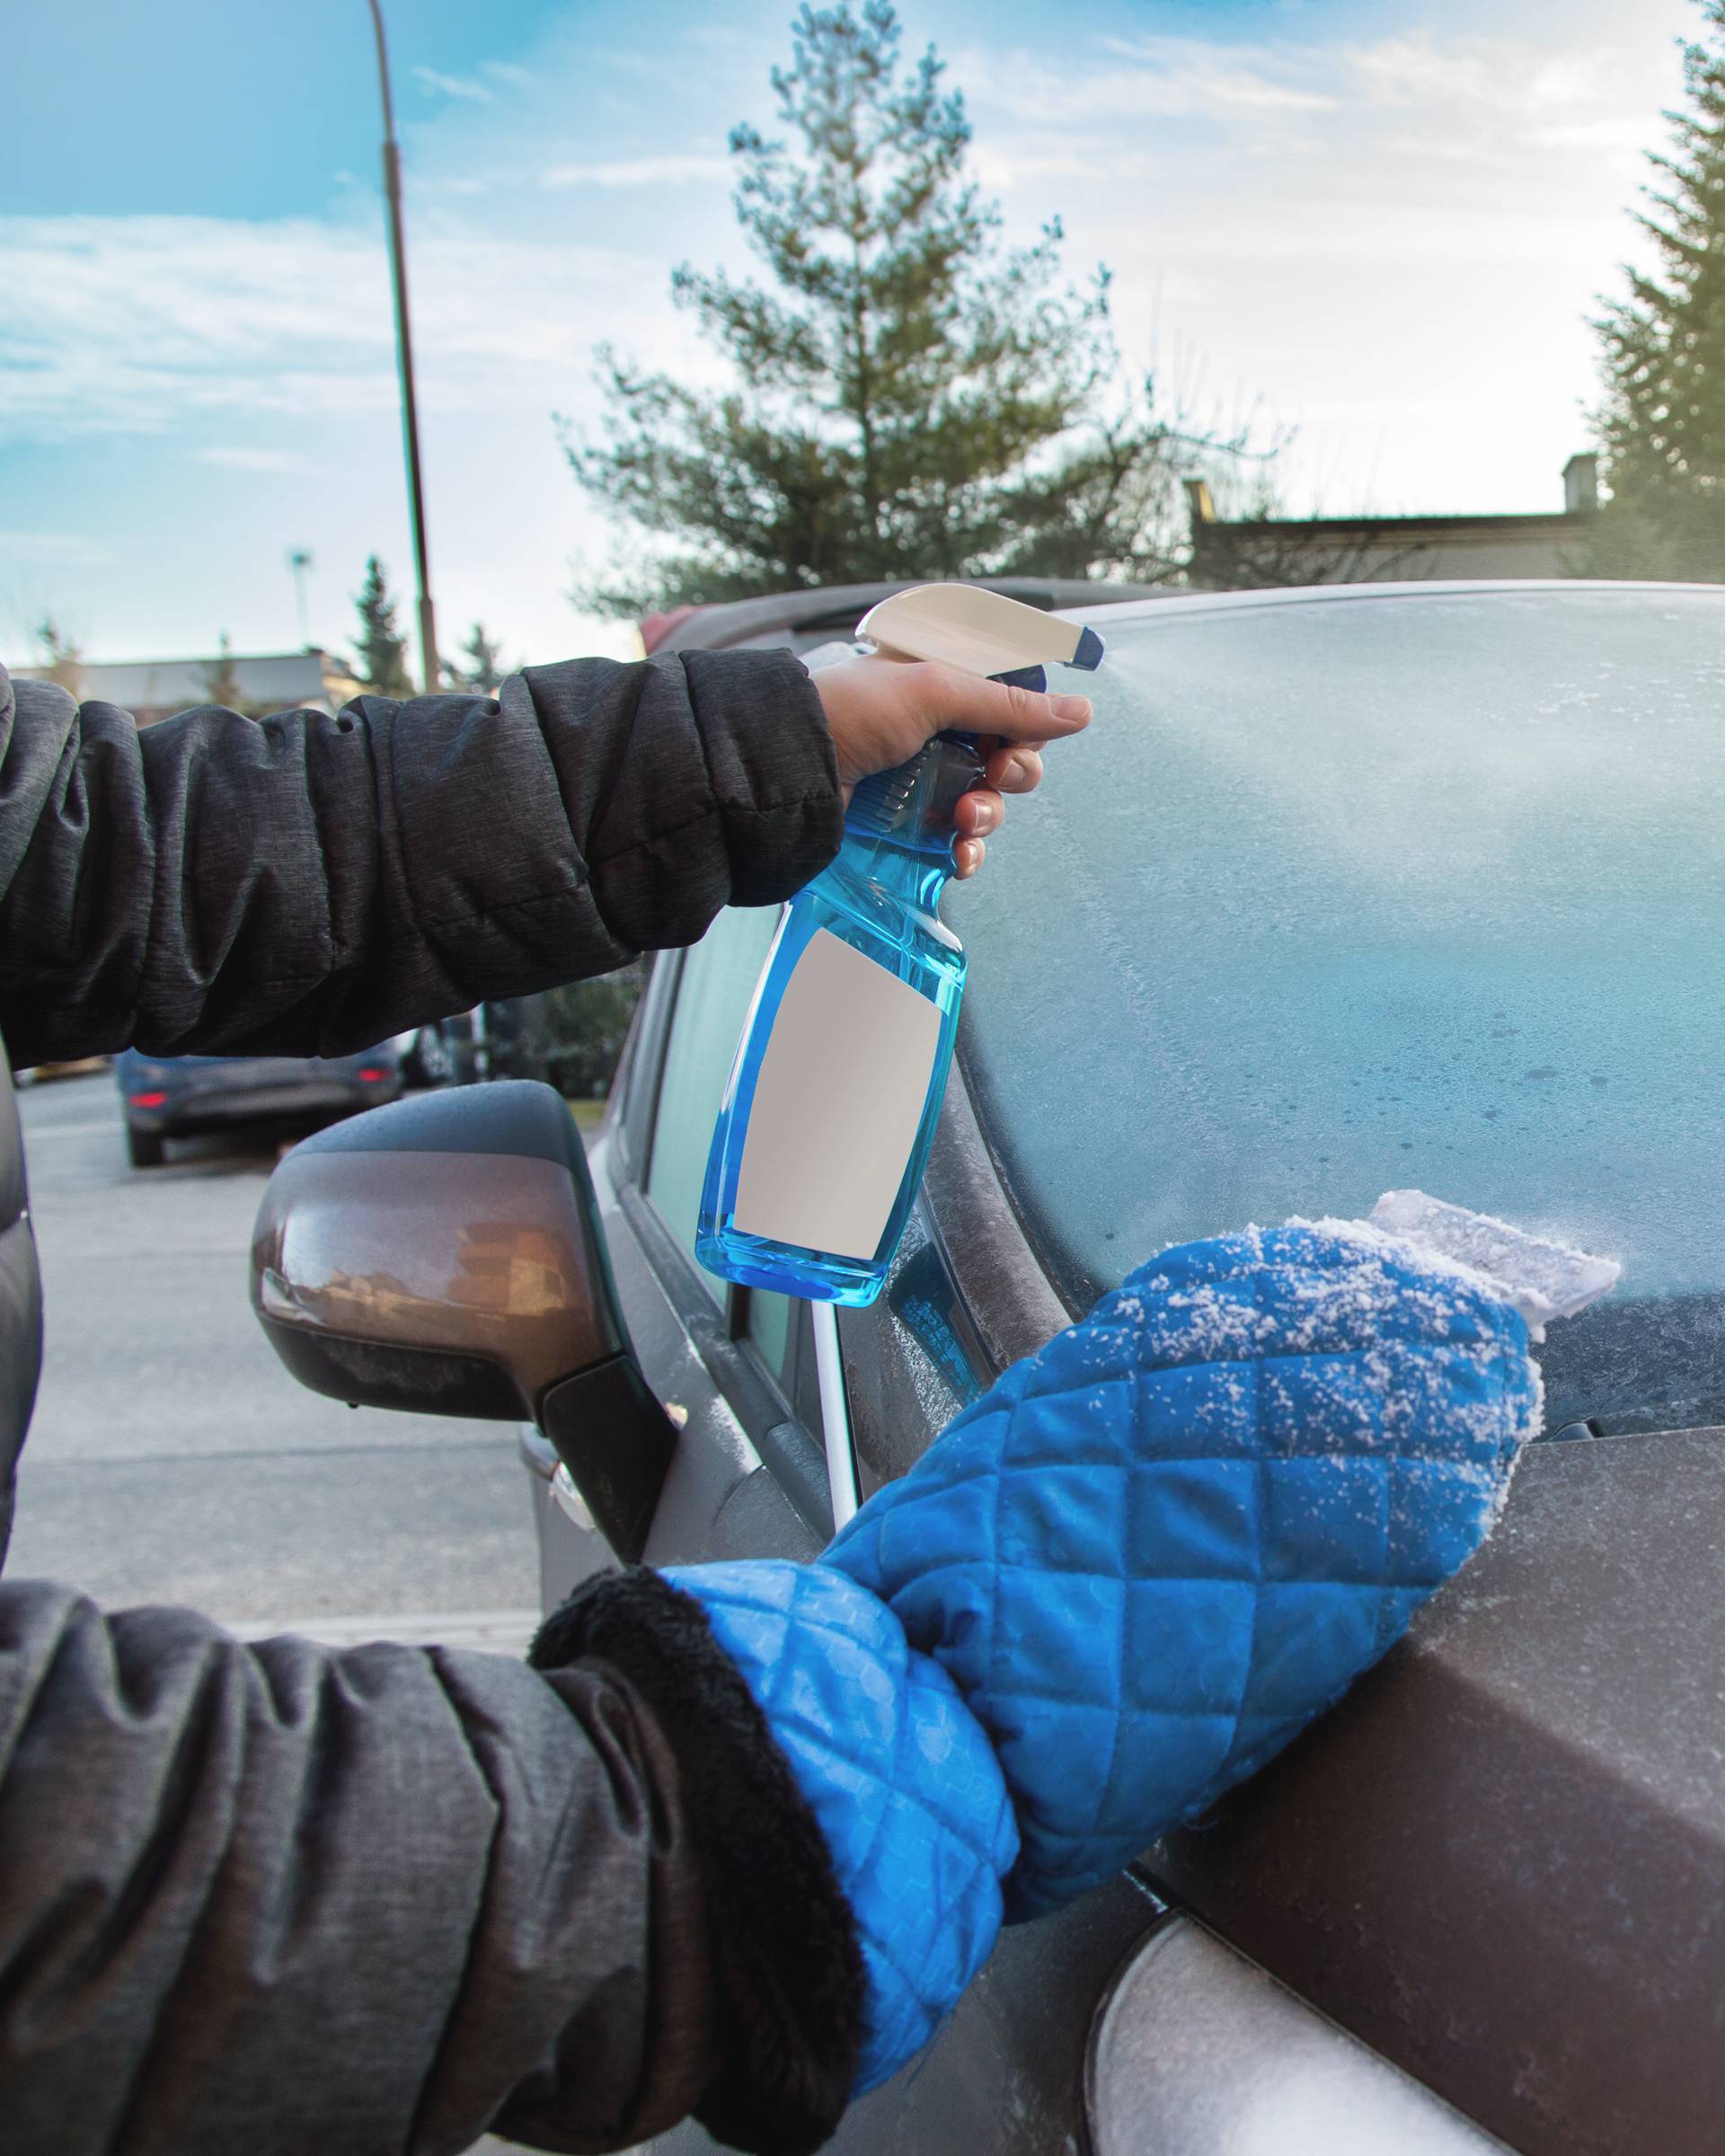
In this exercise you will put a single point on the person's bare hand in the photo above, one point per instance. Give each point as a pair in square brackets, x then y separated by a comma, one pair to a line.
[880, 711]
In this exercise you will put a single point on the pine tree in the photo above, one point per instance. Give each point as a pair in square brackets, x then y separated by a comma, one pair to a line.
[380, 648]
[1661, 426]
[911, 396]
[62, 657]
[221, 679]
[484, 669]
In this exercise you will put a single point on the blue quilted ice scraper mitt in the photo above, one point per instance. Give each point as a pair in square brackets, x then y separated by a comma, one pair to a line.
[1157, 1549]
[1134, 1569]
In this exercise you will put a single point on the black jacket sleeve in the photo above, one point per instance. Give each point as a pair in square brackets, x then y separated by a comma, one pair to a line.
[307, 885]
[293, 1902]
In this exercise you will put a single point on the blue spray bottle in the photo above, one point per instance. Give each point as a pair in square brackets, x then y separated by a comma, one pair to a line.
[833, 1098]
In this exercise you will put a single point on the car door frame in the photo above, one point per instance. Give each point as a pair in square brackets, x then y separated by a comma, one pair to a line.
[775, 1420]
[998, 1303]
[1002, 1302]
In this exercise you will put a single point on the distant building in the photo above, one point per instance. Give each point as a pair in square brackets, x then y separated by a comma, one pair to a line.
[156, 688]
[1253, 551]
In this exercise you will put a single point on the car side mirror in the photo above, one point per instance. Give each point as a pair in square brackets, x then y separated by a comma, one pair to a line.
[445, 1255]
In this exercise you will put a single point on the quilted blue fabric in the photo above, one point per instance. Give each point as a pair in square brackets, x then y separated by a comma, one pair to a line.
[1153, 1551]
[896, 1771]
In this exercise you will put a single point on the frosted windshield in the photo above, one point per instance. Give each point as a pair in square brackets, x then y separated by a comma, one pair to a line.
[1346, 895]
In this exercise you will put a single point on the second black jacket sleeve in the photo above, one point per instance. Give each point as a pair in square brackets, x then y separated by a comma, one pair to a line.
[308, 884]
[276, 1900]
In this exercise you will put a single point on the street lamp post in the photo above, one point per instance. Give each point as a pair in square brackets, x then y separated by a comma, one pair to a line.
[299, 559]
[404, 354]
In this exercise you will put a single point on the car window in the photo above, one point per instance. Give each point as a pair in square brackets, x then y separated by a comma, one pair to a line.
[1344, 895]
[769, 1331]
[712, 998]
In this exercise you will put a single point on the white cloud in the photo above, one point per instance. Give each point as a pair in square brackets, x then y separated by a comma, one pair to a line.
[468, 87]
[460, 186]
[674, 170]
[1184, 75]
[1487, 94]
[1004, 169]
[252, 460]
[1150, 77]
[1623, 136]
[52, 546]
[134, 322]
[141, 325]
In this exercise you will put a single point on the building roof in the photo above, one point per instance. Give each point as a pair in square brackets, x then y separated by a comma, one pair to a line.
[1403, 531]
[281, 679]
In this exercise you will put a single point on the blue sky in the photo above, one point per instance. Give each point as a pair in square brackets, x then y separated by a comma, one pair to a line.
[1381, 224]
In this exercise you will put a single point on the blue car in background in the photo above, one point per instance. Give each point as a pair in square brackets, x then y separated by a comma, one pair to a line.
[164, 1097]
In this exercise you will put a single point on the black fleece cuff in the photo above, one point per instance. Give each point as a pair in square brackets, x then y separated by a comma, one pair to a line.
[782, 1934]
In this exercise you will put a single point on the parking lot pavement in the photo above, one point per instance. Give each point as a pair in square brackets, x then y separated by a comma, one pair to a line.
[481, 1631]
[172, 1457]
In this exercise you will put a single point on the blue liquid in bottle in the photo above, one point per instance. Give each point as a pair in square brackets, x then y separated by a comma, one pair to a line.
[832, 1102]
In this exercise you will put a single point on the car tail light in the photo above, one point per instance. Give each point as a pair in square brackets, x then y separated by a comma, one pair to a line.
[372, 1074]
[147, 1100]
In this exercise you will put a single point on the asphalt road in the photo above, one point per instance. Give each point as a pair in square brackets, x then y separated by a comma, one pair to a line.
[172, 1457]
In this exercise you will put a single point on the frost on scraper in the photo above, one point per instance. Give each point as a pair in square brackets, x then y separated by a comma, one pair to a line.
[1541, 1279]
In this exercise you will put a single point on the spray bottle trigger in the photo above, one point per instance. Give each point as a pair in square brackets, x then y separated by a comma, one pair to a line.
[960, 770]
[961, 766]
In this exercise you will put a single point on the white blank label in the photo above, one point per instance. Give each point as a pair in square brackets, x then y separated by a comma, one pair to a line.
[837, 1103]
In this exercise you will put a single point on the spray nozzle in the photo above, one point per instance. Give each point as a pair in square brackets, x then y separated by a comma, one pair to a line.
[979, 632]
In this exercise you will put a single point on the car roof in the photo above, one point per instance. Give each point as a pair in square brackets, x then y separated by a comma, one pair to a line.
[840, 606]
[836, 608]
[1175, 606]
